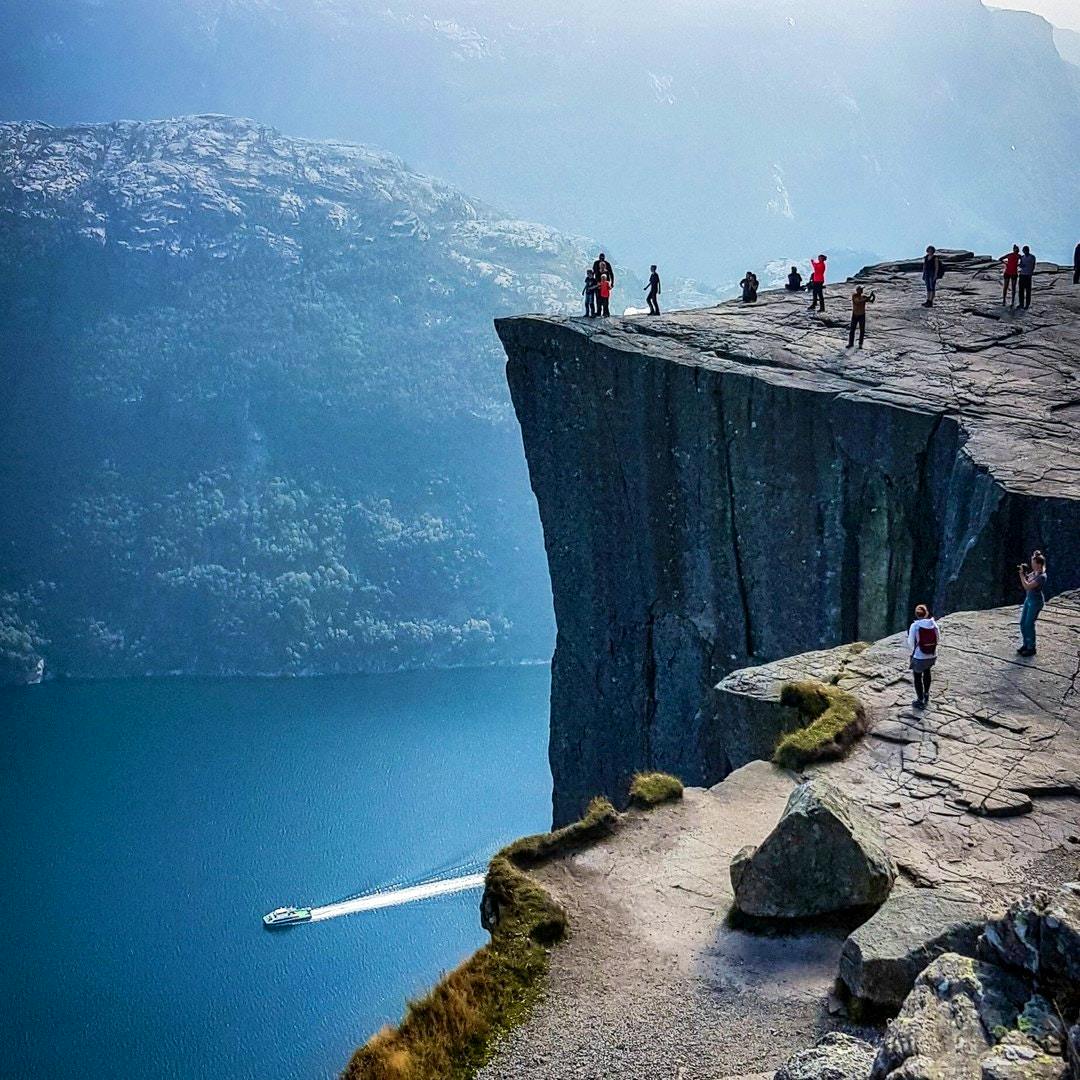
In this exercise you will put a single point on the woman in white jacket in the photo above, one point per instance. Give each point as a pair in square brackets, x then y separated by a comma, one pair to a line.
[923, 636]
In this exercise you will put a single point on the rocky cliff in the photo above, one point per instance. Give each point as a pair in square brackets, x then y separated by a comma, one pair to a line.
[731, 486]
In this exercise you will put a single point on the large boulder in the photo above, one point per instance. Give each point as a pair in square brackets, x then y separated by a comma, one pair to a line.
[882, 958]
[825, 854]
[1040, 934]
[836, 1057]
[951, 1021]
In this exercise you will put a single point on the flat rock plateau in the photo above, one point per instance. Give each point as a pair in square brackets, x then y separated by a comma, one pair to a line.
[730, 486]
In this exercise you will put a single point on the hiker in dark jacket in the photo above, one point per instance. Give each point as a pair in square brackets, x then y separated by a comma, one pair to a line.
[602, 267]
[1027, 273]
[1076, 265]
[589, 292]
[749, 286]
[932, 271]
[922, 638]
[794, 281]
[653, 289]
[859, 300]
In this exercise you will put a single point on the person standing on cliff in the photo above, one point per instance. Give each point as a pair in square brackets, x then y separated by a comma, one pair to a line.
[817, 282]
[602, 267]
[589, 292]
[1026, 269]
[603, 292]
[922, 637]
[859, 300]
[653, 289]
[1012, 271]
[1033, 581]
[932, 271]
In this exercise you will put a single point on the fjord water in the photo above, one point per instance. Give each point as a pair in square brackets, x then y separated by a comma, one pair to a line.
[146, 827]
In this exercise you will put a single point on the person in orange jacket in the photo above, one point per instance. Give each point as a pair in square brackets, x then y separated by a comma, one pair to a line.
[603, 296]
[817, 282]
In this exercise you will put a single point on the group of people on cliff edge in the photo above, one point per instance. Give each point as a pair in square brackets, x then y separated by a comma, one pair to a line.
[600, 282]
[924, 634]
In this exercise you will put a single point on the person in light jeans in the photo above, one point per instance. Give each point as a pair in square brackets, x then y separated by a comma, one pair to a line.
[1033, 581]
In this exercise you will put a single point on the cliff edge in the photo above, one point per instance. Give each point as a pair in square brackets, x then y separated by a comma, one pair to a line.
[730, 486]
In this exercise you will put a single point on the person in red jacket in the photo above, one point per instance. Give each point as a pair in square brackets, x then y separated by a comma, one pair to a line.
[1012, 273]
[603, 296]
[817, 282]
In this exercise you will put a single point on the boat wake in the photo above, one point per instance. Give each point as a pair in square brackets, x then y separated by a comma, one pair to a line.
[392, 897]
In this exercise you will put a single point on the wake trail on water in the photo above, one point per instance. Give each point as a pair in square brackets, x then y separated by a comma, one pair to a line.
[454, 876]
[393, 897]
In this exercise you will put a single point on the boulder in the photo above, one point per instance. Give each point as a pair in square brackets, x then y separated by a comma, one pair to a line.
[836, 1057]
[1021, 1061]
[1039, 934]
[948, 1023]
[825, 854]
[882, 958]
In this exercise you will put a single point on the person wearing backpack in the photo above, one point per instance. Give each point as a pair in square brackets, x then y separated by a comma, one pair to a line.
[933, 270]
[922, 637]
[1033, 582]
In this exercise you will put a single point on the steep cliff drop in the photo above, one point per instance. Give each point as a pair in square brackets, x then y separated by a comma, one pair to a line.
[730, 486]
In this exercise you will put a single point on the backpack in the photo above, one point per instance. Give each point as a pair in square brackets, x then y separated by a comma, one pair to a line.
[926, 640]
[941, 269]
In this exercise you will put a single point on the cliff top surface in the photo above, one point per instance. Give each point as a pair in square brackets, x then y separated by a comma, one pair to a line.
[1011, 378]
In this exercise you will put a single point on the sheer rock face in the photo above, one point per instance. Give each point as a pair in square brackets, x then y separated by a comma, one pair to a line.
[825, 854]
[730, 486]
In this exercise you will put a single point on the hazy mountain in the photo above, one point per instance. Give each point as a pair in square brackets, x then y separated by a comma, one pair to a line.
[708, 135]
[255, 417]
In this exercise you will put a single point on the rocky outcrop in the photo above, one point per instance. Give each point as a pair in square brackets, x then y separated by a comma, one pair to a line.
[732, 486]
[825, 854]
[882, 958]
[836, 1057]
[945, 1026]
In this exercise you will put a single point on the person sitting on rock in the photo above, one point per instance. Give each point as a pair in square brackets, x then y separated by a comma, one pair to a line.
[653, 289]
[931, 274]
[603, 291]
[817, 282]
[1076, 265]
[1026, 270]
[589, 292]
[1012, 271]
[794, 281]
[922, 637]
[749, 286]
[859, 300]
[1033, 581]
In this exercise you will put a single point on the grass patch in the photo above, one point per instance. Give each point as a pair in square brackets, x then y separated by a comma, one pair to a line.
[652, 788]
[448, 1034]
[835, 719]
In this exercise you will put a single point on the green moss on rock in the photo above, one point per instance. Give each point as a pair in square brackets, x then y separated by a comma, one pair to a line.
[835, 719]
[652, 788]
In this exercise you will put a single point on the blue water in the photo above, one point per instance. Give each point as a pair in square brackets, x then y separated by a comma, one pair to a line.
[146, 826]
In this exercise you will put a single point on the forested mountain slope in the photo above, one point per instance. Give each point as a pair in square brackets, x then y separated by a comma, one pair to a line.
[255, 418]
